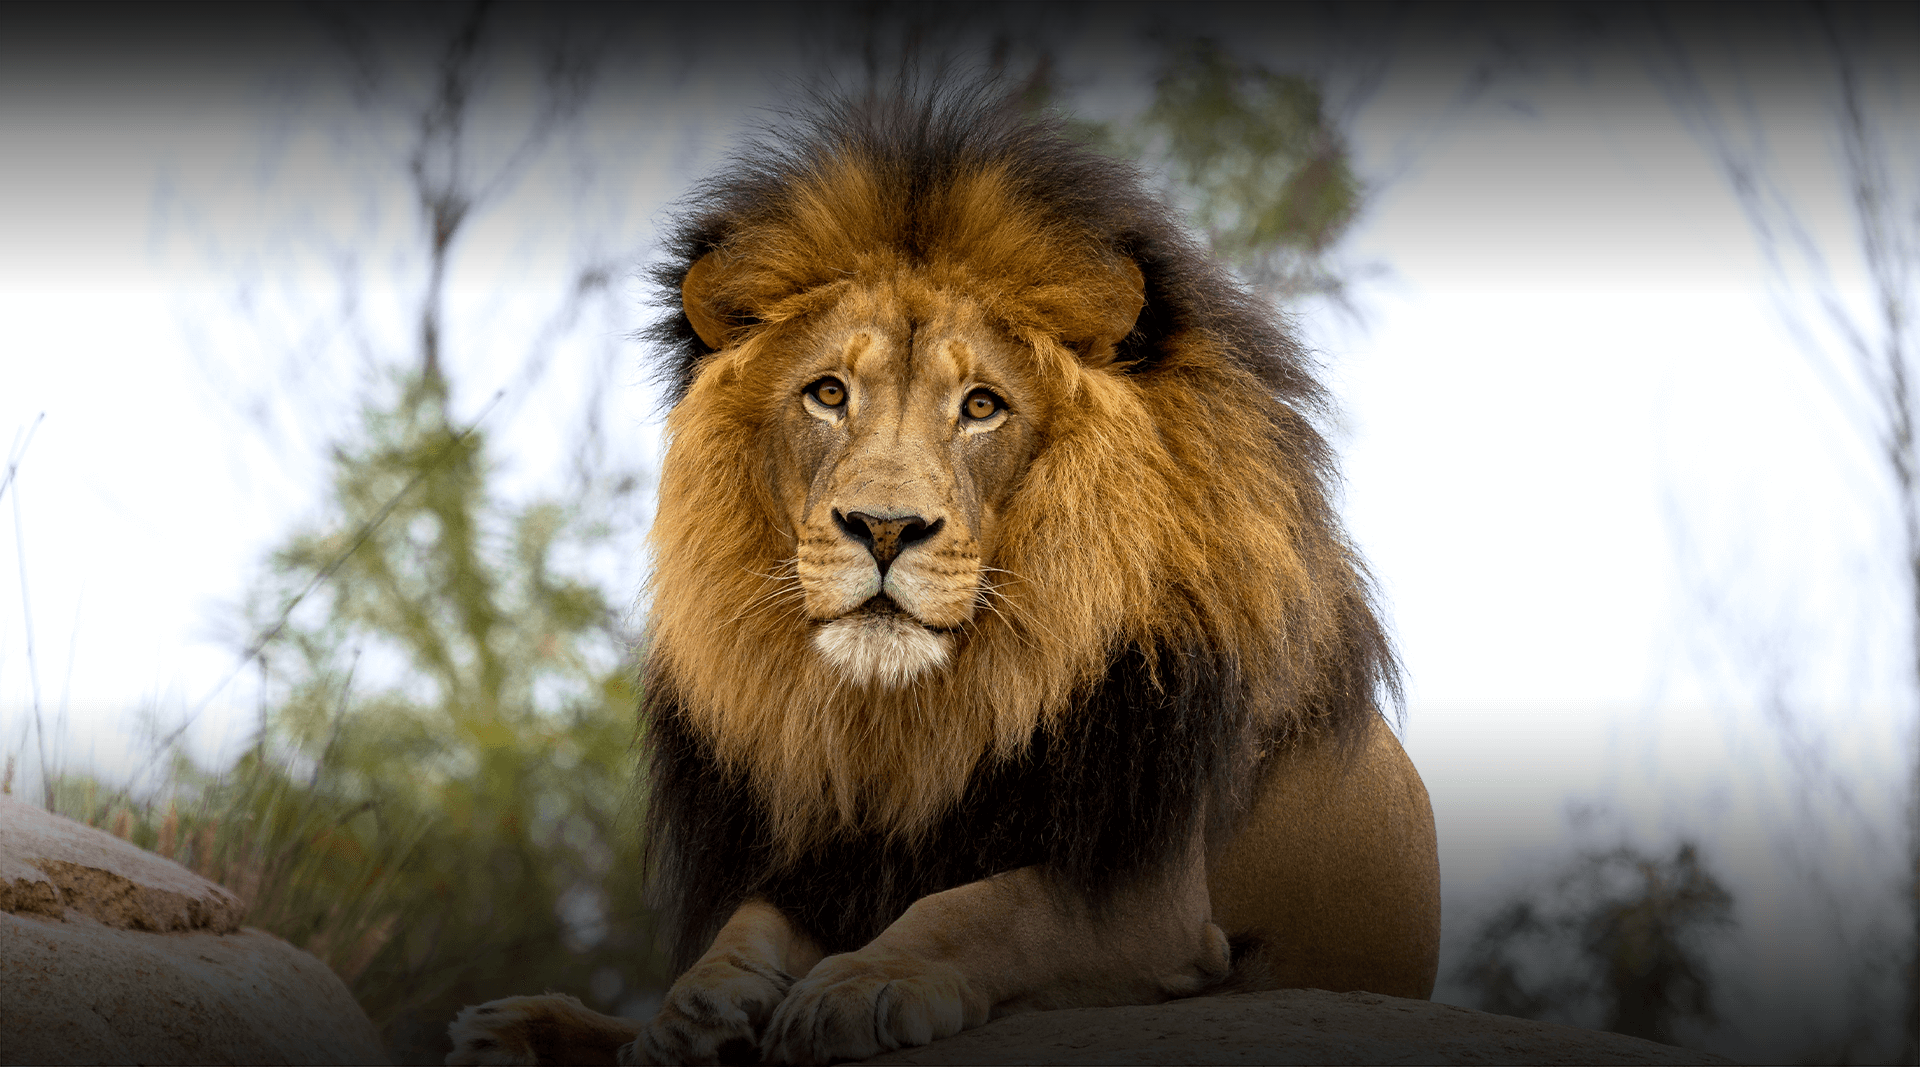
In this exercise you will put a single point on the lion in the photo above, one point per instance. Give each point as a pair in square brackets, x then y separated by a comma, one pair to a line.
[1005, 651]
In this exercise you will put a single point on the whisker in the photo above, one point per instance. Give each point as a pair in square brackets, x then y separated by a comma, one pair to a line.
[763, 604]
[1015, 629]
[786, 588]
[790, 562]
[769, 597]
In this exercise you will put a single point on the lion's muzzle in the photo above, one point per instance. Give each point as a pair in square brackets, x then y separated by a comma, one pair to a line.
[886, 538]
[886, 648]
[886, 627]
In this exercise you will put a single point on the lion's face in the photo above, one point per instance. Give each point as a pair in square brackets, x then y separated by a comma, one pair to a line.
[916, 501]
[905, 425]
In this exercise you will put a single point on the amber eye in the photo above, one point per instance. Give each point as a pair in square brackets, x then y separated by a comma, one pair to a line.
[830, 392]
[981, 404]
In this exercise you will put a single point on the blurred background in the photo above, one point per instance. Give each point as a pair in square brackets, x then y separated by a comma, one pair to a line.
[331, 454]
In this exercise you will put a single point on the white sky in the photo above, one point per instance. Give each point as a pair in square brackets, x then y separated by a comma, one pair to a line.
[1570, 381]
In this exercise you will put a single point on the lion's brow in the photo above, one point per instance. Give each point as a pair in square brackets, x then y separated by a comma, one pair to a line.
[959, 355]
[856, 348]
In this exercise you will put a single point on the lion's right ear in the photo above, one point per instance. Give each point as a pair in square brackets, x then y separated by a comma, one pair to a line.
[1113, 313]
[697, 292]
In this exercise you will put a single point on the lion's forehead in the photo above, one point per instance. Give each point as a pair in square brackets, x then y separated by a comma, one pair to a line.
[901, 407]
[903, 331]
[917, 369]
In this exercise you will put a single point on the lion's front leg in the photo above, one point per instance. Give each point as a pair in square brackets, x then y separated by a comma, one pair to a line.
[1006, 944]
[716, 1011]
[860, 1004]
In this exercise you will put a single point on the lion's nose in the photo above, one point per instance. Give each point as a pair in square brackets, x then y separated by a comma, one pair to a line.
[886, 538]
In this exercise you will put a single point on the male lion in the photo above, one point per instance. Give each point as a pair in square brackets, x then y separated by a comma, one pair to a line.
[1006, 653]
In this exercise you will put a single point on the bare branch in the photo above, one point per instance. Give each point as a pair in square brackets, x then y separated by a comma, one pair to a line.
[366, 530]
[1861, 353]
[26, 609]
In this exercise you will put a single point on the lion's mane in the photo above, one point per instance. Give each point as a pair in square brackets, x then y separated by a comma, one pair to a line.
[1177, 597]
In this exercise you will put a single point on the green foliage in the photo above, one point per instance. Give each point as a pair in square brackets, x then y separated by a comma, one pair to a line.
[437, 803]
[1618, 931]
[1271, 173]
[1254, 159]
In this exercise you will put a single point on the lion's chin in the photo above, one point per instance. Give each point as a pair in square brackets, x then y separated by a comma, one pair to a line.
[886, 649]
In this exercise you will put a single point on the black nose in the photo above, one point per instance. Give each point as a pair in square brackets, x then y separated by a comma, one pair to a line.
[886, 538]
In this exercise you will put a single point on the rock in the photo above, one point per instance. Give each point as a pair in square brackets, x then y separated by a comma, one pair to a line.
[1287, 1026]
[110, 954]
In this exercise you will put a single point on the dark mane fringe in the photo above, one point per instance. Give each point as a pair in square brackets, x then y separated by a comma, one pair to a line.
[918, 140]
[1143, 754]
[1099, 804]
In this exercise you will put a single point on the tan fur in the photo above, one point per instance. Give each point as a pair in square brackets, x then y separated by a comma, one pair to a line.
[1333, 872]
[1008, 944]
[1002, 946]
[554, 1028]
[1098, 510]
[727, 998]
[1227, 557]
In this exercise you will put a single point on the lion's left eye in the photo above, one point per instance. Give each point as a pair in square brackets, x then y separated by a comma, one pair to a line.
[982, 404]
[828, 392]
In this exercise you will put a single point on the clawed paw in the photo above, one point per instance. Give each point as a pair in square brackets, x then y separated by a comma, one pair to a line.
[554, 1028]
[864, 1003]
[713, 1014]
[489, 1034]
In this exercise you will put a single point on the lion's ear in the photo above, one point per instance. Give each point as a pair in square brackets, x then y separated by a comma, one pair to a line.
[697, 291]
[1120, 311]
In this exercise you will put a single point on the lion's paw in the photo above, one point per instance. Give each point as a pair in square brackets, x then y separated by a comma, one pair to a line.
[554, 1028]
[864, 1003]
[713, 1014]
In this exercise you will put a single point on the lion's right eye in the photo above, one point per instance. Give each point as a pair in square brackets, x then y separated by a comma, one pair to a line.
[828, 392]
[982, 404]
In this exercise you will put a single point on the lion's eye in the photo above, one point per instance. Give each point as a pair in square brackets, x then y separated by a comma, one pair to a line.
[981, 404]
[830, 392]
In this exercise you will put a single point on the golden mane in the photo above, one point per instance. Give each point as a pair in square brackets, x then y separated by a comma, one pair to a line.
[1179, 501]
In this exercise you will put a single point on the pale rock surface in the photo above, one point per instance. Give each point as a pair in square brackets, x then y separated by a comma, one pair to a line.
[110, 954]
[1288, 1026]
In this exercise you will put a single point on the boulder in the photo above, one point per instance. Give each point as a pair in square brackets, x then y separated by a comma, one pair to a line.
[111, 954]
[1287, 1026]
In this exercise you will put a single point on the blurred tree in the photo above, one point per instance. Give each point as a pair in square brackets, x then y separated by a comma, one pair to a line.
[436, 801]
[1259, 164]
[433, 802]
[1619, 931]
[1252, 156]
[479, 786]
[1848, 300]
[437, 798]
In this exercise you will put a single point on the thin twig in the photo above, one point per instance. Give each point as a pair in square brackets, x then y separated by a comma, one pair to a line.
[26, 609]
[366, 530]
[13, 461]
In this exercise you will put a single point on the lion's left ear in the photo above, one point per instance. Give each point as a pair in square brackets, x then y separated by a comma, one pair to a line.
[1119, 309]
[697, 292]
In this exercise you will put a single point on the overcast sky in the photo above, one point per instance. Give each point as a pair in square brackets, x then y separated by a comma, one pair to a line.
[1610, 504]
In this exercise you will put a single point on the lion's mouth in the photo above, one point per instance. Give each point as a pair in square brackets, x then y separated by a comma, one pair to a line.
[881, 605]
[880, 642]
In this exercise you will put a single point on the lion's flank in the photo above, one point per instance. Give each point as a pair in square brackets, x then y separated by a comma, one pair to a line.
[1170, 594]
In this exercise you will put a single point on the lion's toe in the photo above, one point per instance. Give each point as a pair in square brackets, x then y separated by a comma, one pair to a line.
[713, 1015]
[491, 1033]
[528, 1030]
[699, 1036]
[852, 1007]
